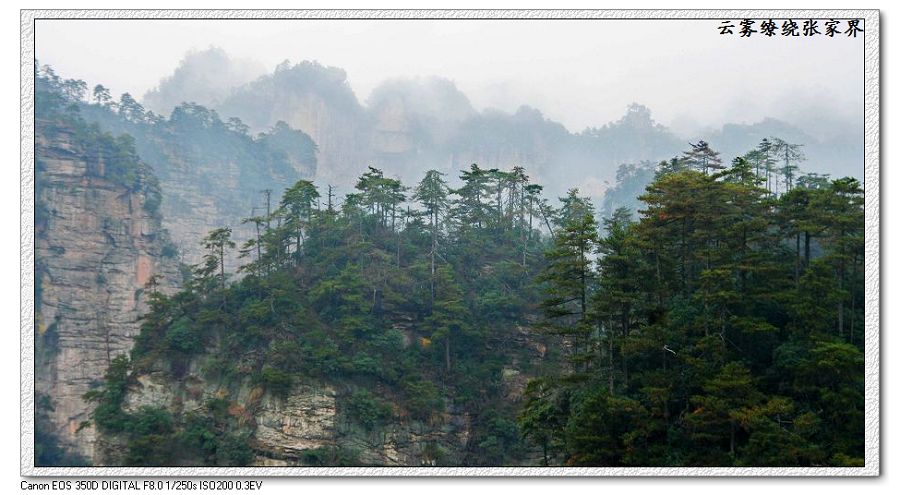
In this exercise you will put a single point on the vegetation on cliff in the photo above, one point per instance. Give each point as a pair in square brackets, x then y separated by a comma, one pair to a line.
[721, 328]
[96, 231]
[110, 156]
[719, 324]
[193, 142]
[416, 311]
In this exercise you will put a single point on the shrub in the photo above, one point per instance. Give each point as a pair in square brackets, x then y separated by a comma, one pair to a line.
[234, 451]
[183, 337]
[422, 398]
[368, 410]
[331, 456]
[276, 381]
[150, 420]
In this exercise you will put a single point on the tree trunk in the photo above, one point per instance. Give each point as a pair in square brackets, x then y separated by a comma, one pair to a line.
[612, 365]
[807, 239]
[447, 351]
[432, 270]
[731, 447]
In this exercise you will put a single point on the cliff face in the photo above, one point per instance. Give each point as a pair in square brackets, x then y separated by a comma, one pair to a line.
[317, 100]
[406, 128]
[96, 249]
[337, 134]
[193, 203]
[212, 173]
[313, 423]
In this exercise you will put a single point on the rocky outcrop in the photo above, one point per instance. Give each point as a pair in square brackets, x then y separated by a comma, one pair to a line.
[308, 425]
[313, 422]
[304, 420]
[337, 134]
[317, 100]
[212, 174]
[96, 249]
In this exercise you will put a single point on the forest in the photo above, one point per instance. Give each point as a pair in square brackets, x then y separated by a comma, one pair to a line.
[721, 328]
[717, 323]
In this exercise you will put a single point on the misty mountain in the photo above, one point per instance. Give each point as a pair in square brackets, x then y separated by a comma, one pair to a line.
[211, 172]
[315, 99]
[839, 155]
[416, 121]
[205, 77]
[407, 126]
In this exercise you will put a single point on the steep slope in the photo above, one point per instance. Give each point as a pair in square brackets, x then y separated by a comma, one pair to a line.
[212, 173]
[206, 77]
[341, 344]
[315, 99]
[99, 251]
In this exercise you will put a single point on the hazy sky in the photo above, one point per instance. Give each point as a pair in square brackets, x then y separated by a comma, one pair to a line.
[581, 73]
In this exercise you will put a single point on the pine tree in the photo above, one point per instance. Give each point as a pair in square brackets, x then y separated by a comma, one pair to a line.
[296, 212]
[767, 162]
[215, 243]
[702, 158]
[568, 276]
[616, 296]
[470, 209]
[432, 192]
[790, 155]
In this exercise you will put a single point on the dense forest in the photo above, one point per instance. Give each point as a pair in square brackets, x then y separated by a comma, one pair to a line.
[721, 328]
[327, 292]
[719, 322]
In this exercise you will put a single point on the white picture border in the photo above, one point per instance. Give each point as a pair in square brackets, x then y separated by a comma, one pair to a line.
[872, 238]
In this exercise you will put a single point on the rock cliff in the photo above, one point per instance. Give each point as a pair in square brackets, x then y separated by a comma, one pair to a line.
[212, 173]
[317, 100]
[98, 248]
[313, 423]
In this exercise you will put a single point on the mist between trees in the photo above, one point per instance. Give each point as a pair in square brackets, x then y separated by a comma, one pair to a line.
[719, 322]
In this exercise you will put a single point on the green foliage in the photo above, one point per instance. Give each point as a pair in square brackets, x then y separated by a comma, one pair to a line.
[154, 437]
[277, 381]
[149, 451]
[367, 409]
[233, 451]
[721, 325]
[718, 327]
[422, 399]
[183, 336]
[112, 156]
[297, 145]
[108, 415]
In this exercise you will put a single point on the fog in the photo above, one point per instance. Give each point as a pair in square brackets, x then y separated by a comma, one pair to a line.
[580, 73]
